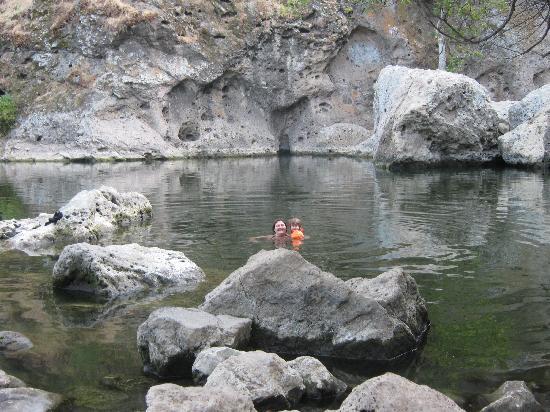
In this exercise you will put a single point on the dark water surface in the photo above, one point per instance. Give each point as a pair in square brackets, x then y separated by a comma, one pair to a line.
[476, 241]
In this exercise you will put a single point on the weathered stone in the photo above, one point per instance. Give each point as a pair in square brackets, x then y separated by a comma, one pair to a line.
[88, 217]
[123, 269]
[8, 381]
[296, 308]
[265, 377]
[13, 341]
[173, 398]
[319, 382]
[513, 396]
[393, 393]
[529, 143]
[170, 339]
[529, 106]
[28, 399]
[398, 294]
[432, 116]
[208, 359]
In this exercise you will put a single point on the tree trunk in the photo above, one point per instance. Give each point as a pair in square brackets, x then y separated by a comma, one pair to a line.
[442, 61]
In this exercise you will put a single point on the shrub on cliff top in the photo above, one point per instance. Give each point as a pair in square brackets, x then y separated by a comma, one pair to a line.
[8, 114]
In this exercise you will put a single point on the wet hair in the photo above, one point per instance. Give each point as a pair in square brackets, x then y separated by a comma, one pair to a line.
[295, 221]
[275, 222]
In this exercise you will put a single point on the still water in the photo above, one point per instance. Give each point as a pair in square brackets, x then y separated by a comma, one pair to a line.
[476, 241]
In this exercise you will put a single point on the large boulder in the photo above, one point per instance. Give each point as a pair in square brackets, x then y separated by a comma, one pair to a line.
[169, 340]
[513, 396]
[398, 294]
[529, 106]
[123, 269]
[28, 399]
[173, 398]
[8, 381]
[297, 308]
[319, 382]
[14, 341]
[432, 116]
[529, 143]
[88, 217]
[265, 377]
[207, 360]
[393, 393]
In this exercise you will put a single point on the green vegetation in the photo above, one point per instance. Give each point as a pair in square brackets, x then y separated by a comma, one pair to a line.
[294, 8]
[8, 114]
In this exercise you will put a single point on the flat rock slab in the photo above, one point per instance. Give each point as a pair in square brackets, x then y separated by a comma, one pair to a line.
[8, 381]
[265, 377]
[319, 382]
[88, 217]
[117, 270]
[298, 309]
[173, 398]
[28, 400]
[170, 339]
[393, 393]
[13, 341]
[513, 396]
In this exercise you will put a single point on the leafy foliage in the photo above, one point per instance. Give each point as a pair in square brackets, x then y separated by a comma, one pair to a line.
[8, 114]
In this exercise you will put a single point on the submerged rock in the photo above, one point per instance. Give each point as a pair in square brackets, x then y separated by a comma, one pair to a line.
[28, 399]
[14, 341]
[432, 116]
[169, 340]
[513, 396]
[529, 143]
[88, 217]
[265, 377]
[173, 398]
[8, 381]
[319, 382]
[123, 269]
[208, 359]
[393, 393]
[297, 308]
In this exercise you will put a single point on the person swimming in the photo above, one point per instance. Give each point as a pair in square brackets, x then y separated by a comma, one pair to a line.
[296, 229]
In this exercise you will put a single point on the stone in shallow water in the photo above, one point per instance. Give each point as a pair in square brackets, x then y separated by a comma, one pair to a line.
[319, 382]
[170, 339]
[208, 359]
[123, 269]
[393, 393]
[173, 398]
[13, 341]
[297, 308]
[88, 217]
[513, 396]
[8, 381]
[265, 377]
[28, 399]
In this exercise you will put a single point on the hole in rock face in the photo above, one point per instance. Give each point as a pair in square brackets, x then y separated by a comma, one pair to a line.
[189, 132]
[165, 111]
[2, 92]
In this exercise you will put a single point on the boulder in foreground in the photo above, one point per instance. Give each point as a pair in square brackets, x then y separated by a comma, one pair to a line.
[8, 381]
[123, 269]
[173, 398]
[393, 393]
[88, 217]
[169, 340]
[265, 377]
[296, 308]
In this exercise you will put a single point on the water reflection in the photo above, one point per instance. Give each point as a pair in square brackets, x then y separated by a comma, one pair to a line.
[477, 242]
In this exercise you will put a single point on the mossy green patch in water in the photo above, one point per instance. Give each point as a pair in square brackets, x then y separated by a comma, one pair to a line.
[95, 398]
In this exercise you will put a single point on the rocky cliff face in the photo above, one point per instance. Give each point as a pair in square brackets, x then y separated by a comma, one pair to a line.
[125, 79]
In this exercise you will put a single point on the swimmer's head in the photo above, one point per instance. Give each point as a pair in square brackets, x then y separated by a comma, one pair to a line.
[279, 227]
[295, 224]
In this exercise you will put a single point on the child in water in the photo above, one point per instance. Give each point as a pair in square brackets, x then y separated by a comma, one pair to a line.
[296, 229]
